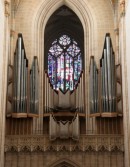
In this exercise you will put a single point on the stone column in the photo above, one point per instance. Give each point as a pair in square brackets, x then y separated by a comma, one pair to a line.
[117, 45]
[12, 37]
[4, 77]
[122, 53]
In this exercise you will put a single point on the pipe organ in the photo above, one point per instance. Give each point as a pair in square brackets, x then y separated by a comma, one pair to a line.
[22, 91]
[20, 80]
[71, 101]
[109, 84]
[94, 103]
[64, 109]
[34, 102]
[64, 129]
[65, 114]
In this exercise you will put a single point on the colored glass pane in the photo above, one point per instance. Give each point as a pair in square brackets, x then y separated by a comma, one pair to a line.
[64, 63]
[55, 50]
[64, 40]
[73, 50]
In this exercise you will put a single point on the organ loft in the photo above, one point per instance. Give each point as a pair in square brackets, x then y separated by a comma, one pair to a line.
[64, 87]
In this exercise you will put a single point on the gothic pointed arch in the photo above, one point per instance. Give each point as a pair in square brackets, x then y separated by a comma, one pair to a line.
[42, 16]
[64, 49]
[64, 163]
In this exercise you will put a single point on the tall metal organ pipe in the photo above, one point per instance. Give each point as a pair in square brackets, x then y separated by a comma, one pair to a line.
[108, 82]
[94, 104]
[20, 80]
[34, 75]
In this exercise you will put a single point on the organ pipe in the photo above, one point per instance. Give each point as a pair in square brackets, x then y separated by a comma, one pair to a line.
[104, 96]
[108, 82]
[94, 109]
[34, 101]
[52, 97]
[20, 80]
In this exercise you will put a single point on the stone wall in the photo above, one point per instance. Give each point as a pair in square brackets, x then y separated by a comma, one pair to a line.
[1, 78]
[97, 19]
[88, 151]
[52, 158]
[128, 58]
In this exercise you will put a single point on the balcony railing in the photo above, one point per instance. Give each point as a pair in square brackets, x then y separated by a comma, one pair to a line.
[85, 143]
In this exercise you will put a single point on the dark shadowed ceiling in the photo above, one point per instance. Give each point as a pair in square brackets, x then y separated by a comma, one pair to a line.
[63, 21]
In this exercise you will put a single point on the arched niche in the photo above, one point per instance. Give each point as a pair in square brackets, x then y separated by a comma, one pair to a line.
[63, 22]
[64, 163]
[44, 13]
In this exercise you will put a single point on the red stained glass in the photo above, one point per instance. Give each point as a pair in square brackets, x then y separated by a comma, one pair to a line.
[64, 63]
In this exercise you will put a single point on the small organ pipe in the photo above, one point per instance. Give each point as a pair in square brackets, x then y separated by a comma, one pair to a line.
[103, 86]
[45, 92]
[34, 87]
[106, 81]
[15, 86]
[22, 75]
[109, 63]
[18, 74]
[82, 93]
[93, 87]
[96, 92]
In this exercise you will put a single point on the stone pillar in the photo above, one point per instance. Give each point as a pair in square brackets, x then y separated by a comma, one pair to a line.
[117, 45]
[122, 39]
[12, 37]
[1, 74]
[4, 77]
[127, 18]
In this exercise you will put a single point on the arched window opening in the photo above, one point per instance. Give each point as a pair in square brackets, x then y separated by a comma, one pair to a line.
[64, 63]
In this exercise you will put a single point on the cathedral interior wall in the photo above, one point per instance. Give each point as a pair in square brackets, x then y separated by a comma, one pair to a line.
[128, 41]
[48, 159]
[1, 78]
[99, 23]
[128, 51]
[1, 42]
[30, 18]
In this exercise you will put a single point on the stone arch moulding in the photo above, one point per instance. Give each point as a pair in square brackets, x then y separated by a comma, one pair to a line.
[64, 161]
[42, 16]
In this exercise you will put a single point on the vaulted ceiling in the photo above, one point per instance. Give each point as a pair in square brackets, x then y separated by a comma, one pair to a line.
[63, 20]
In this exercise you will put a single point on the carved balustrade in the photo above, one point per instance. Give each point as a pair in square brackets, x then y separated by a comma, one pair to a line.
[85, 143]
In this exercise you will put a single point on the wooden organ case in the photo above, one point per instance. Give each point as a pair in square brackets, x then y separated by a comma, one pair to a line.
[65, 114]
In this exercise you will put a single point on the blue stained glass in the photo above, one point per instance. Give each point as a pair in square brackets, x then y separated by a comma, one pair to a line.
[79, 65]
[55, 50]
[73, 50]
[64, 63]
[60, 72]
[64, 40]
[67, 69]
